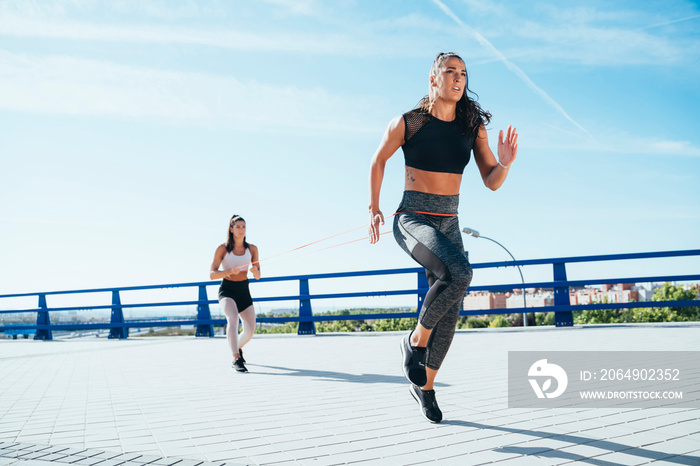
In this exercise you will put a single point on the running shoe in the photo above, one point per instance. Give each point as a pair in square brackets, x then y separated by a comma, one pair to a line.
[238, 365]
[240, 351]
[428, 404]
[413, 362]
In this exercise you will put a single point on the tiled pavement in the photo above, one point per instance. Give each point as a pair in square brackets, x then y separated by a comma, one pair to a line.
[318, 400]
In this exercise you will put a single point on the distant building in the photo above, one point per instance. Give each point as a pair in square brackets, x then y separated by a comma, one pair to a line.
[479, 300]
[484, 300]
[533, 298]
[645, 291]
[619, 293]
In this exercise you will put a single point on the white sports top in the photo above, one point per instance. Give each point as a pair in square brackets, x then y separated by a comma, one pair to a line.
[232, 261]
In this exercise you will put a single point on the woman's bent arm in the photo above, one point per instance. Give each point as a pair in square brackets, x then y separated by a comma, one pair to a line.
[495, 170]
[214, 272]
[255, 267]
[392, 140]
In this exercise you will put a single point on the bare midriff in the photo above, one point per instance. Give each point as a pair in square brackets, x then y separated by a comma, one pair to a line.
[445, 184]
[243, 276]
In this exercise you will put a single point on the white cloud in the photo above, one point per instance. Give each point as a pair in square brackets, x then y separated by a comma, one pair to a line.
[158, 9]
[65, 85]
[590, 45]
[550, 137]
[335, 43]
[679, 148]
[625, 143]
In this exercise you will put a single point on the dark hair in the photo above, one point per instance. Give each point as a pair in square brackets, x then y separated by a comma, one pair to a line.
[229, 237]
[468, 110]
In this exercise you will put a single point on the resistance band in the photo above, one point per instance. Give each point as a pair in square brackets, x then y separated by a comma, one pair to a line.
[268, 259]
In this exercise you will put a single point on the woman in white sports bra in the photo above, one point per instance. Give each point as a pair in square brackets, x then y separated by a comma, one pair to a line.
[236, 258]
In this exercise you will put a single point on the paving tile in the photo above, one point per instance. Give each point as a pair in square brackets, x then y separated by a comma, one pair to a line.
[280, 457]
[694, 461]
[87, 461]
[144, 459]
[70, 451]
[111, 463]
[33, 455]
[676, 446]
[622, 459]
[53, 457]
[192, 453]
[55, 449]
[27, 447]
[10, 446]
[338, 448]
[481, 457]
[136, 433]
[125, 457]
[34, 463]
[189, 462]
[165, 462]
[354, 457]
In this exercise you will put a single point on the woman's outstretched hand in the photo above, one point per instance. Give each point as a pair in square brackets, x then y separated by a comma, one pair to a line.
[375, 218]
[508, 147]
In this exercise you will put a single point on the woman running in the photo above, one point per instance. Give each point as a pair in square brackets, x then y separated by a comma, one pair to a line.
[234, 257]
[437, 138]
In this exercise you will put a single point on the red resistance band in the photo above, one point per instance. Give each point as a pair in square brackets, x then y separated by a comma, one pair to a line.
[267, 259]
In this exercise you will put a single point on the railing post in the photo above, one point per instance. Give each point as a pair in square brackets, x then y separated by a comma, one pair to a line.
[120, 332]
[203, 313]
[561, 297]
[306, 323]
[42, 318]
[422, 284]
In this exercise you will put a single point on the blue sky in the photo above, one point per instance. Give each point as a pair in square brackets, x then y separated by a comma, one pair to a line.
[131, 132]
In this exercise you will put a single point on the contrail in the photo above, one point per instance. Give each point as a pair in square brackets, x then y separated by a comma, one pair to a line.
[669, 22]
[511, 66]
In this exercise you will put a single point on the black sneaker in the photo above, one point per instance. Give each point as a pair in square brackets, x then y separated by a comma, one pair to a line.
[240, 351]
[413, 362]
[238, 365]
[428, 404]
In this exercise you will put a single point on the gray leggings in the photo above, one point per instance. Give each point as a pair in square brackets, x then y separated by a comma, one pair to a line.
[435, 242]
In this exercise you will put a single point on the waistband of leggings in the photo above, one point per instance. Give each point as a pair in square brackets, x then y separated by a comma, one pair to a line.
[426, 203]
[230, 283]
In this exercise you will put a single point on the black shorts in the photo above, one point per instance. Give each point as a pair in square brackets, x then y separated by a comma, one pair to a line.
[238, 291]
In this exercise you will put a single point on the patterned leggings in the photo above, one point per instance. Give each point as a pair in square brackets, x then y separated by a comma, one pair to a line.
[435, 242]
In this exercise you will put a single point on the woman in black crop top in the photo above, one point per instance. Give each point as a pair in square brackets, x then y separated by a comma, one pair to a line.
[437, 139]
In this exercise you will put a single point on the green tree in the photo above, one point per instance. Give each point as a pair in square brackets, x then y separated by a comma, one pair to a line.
[499, 321]
[389, 325]
[287, 327]
[600, 316]
[642, 315]
[653, 314]
[545, 318]
[472, 322]
[335, 326]
[670, 292]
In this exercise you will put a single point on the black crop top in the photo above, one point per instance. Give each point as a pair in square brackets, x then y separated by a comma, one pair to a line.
[435, 145]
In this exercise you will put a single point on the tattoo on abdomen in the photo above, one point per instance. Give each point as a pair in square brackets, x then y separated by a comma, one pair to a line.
[409, 176]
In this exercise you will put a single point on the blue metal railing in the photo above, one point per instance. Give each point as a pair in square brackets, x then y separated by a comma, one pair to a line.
[119, 327]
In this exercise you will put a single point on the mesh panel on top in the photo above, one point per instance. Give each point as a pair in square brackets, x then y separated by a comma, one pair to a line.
[414, 120]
